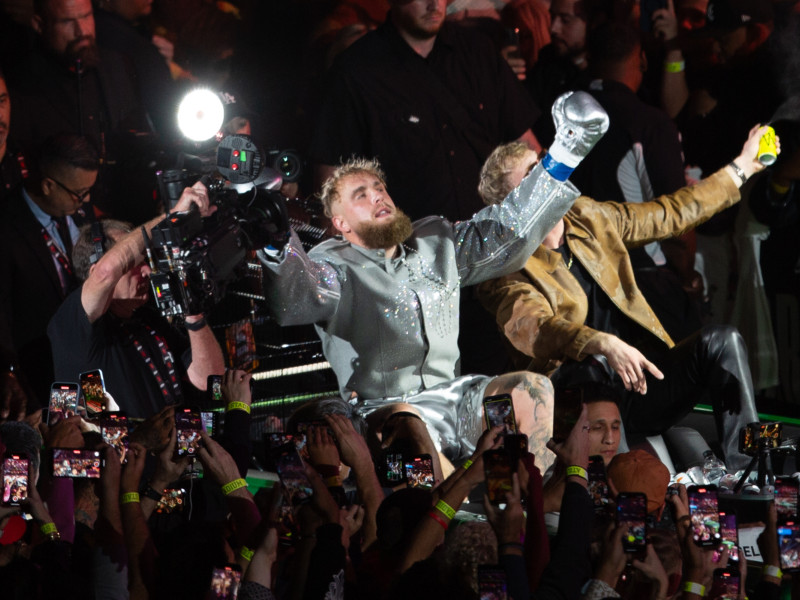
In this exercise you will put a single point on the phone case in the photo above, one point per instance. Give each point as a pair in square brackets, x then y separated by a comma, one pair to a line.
[499, 410]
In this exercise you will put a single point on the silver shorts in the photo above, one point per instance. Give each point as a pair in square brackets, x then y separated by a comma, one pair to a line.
[452, 411]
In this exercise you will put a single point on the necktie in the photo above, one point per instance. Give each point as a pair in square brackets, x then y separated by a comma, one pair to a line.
[64, 234]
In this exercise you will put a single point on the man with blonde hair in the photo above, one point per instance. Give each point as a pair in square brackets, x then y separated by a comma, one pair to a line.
[384, 297]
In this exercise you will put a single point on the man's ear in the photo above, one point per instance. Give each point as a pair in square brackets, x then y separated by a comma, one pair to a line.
[340, 224]
[46, 186]
[37, 24]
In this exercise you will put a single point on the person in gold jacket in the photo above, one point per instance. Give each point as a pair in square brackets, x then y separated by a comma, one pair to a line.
[575, 312]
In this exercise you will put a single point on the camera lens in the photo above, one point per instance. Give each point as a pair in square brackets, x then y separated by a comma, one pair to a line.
[289, 165]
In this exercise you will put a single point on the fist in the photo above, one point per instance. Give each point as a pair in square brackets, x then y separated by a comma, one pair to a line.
[580, 123]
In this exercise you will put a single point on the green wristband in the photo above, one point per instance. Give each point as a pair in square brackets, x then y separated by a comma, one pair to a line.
[129, 497]
[577, 471]
[238, 406]
[444, 508]
[246, 553]
[234, 485]
[48, 528]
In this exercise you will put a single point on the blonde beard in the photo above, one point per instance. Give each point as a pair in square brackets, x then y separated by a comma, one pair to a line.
[387, 235]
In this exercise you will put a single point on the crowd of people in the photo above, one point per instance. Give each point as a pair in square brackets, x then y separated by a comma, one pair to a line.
[528, 202]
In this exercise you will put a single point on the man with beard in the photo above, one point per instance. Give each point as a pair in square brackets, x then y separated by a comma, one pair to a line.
[67, 85]
[384, 299]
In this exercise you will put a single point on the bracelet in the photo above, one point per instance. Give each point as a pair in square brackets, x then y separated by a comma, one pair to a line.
[234, 485]
[515, 545]
[577, 471]
[246, 553]
[738, 171]
[197, 325]
[467, 464]
[694, 588]
[48, 528]
[675, 67]
[445, 509]
[129, 497]
[772, 571]
[152, 493]
[432, 514]
[238, 406]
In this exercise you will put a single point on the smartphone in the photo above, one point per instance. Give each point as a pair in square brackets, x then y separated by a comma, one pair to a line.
[209, 420]
[725, 585]
[646, 10]
[63, 402]
[215, 388]
[392, 471]
[499, 410]
[568, 406]
[77, 462]
[172, 501]
[114, 429]
[497, 469]
[225, 582]
[15, 479]
[786, 498]
[93, 391]
[492, 583]
[632, 513]
[304, 426]
[753, 432]
[598, 482]
[704, 515]
[730, 535]
[789, 545]
[419, 471]
[516, 445]
[292, 473]
[188, 425]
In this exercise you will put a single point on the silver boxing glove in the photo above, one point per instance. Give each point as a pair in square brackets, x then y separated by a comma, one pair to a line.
[580, 123]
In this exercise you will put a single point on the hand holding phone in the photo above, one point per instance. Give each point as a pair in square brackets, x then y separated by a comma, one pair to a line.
[292, 473]
[419, 471]
[114, 429]
[63, 402]
[725, 584]
[498, 470]
[93, 391]
[188, 425]
[598, 482]
[704, 515]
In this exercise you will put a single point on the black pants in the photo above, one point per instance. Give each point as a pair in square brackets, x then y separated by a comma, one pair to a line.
[710, 366]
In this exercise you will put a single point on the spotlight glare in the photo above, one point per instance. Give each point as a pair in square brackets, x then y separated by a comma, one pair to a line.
[200, 115]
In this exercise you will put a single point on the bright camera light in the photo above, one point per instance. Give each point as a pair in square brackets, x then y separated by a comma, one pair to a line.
[200, 115]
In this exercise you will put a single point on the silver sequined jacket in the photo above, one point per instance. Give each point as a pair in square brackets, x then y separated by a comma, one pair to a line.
[389, 326]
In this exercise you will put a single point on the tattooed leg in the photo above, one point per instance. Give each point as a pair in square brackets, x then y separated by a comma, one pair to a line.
[532, 395]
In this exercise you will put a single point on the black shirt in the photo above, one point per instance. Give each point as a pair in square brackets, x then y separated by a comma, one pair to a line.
[108, 344]
[382, 103]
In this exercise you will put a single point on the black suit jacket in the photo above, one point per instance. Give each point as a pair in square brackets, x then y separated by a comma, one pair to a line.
[29, 295]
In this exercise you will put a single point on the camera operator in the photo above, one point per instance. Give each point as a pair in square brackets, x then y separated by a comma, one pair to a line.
[105, 324]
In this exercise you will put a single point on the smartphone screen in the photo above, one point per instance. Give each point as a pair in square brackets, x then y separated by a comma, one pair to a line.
[77, 462]
[209, 422]
[492, 583]
[725, 584]
[750, 435]
[497, 469]
[225, 582]
[789, 545]
[172, 501]
[188, 425]
[215, 387]
[704, 515]
[598, 482]
[632, 513]
[93, 390]
[499, 410]
[63, 402]
[392, 468]
[568, 406]
[730, 535]
[292, 473]
[419, 471]
[15, 479]
[786, 498]
[114, 429]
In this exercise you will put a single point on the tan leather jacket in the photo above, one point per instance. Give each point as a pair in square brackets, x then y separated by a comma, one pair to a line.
[542, 308]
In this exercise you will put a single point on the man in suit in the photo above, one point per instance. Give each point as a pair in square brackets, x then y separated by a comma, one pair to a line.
[36, 238]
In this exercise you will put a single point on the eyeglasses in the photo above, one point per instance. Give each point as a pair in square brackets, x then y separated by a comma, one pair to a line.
[79, 197]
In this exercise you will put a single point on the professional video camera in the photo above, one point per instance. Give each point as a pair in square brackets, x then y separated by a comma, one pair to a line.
[193, 259]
